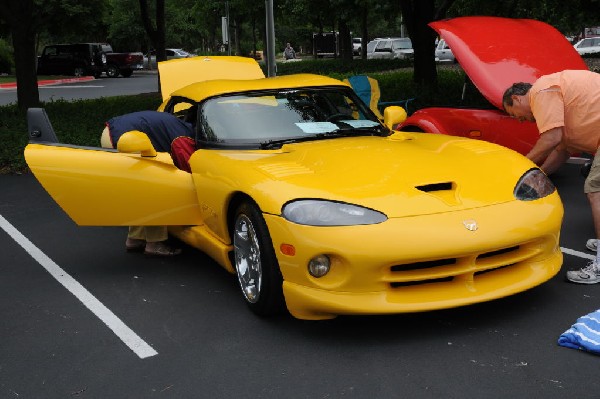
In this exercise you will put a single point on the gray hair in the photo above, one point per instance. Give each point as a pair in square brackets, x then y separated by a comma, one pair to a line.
[517, 89]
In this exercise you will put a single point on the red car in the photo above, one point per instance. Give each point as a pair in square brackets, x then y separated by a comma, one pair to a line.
[495, 53]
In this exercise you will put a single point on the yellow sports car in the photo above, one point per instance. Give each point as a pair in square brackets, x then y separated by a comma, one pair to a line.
[315, 204]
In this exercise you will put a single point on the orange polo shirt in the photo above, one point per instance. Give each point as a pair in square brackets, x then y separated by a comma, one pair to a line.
[570, 99]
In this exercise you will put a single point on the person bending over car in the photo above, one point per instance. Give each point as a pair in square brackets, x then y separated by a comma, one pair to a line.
[566, 109]
[167, 133]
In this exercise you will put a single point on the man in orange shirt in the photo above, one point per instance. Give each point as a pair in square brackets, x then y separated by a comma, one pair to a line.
[566, 108]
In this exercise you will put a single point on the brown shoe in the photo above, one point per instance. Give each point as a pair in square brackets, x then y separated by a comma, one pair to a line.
[135, 245]
[161, 248]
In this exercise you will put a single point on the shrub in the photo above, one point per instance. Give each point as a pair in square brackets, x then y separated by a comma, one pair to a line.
[81, 122]
[77, 122]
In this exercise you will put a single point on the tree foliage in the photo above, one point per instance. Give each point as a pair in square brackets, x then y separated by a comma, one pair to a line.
[138, 25]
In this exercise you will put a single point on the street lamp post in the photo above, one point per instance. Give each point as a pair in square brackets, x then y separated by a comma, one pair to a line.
[271, 66]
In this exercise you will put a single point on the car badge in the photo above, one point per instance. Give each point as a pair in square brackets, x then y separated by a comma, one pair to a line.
[471, 224]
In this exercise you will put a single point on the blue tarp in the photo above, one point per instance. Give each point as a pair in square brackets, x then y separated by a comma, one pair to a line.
[584, 334]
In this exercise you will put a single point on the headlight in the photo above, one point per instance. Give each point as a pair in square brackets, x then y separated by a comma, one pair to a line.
[534, 184]
[329, 213]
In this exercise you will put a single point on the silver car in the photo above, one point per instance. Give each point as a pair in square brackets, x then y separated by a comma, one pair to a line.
[443, 53]
[589, 45]
[393, 48]
[172, 53]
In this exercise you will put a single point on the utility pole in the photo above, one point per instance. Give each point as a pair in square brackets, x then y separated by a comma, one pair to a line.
[271, 65]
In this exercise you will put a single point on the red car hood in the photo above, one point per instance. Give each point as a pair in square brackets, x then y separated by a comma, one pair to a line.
[497, 52]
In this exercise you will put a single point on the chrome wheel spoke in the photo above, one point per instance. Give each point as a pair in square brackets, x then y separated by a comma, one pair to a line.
[247, 258]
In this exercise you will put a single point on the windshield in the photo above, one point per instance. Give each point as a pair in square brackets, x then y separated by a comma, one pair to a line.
[402, 44]
[259, 119]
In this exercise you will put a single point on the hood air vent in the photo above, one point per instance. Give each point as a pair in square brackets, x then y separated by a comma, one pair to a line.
[428, 188]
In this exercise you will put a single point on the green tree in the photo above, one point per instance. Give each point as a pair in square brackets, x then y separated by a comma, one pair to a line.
[26, 19]
[155, 29]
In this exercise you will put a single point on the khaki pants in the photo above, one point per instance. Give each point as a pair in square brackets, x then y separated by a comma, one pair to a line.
[148, 233]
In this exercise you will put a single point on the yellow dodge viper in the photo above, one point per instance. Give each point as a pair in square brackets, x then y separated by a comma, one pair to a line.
[316, 205]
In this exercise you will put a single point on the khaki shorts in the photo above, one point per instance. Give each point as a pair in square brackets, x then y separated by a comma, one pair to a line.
[592, 182]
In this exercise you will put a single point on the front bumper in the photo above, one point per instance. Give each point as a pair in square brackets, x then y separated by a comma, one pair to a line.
[420, 263]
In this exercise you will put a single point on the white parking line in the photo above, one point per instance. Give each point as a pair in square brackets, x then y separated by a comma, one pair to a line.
[69, 87]
[130, 338]
[577, 253]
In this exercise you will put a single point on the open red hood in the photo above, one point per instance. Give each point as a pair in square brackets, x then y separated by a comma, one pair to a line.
[497, 52]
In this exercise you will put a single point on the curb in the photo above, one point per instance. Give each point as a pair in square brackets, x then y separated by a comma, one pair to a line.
[50, 82]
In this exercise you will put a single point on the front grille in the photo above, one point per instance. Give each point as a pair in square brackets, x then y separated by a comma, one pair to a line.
[446, 270]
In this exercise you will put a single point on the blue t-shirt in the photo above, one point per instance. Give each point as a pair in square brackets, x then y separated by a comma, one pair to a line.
[160, 127]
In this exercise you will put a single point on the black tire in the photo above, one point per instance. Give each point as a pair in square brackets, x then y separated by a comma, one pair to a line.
[254, 257]
[112, 71]
[126, 73]
[585, 169]
[78, 71]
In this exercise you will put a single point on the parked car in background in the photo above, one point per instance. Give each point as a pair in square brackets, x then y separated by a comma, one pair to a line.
[495, 52]
[443, 53]
[77, 59]
[588, 46]
[81, 59]
[356, 45]
[278, 201]
[172, 53]
[122, 64]
[392, 48]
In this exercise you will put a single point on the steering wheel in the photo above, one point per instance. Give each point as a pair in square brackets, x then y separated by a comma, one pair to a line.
[336, 117]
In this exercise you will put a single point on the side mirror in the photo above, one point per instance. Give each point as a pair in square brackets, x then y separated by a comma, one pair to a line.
[392, 116]
[136, 141]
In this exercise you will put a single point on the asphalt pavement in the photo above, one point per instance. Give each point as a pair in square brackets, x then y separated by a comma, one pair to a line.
[178, 328]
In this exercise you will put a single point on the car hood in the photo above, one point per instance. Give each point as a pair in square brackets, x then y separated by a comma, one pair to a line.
[497, 52]
[400, 177]
[181, 72]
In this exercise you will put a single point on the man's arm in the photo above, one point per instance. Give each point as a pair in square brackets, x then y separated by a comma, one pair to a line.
[545, 145]
[554, 160]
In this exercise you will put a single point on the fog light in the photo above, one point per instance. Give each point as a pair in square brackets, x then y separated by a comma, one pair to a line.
[319, 266]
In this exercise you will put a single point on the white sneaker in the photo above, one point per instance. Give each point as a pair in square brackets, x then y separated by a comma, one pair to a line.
[592, 245]
[589, 274]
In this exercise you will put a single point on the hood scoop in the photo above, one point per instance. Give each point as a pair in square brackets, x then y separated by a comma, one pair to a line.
[445, 191]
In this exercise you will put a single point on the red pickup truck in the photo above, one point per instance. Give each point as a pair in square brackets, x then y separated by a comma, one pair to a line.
[121, 63]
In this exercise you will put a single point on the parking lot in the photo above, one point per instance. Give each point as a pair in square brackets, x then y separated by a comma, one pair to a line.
[83, 318]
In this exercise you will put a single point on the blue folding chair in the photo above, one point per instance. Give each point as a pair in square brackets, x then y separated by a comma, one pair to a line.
[368, 91]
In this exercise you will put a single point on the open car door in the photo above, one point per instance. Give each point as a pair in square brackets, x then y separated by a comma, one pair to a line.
[104, 187]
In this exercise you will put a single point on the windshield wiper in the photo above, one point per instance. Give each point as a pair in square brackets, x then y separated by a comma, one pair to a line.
[270, 144]
[346, 132]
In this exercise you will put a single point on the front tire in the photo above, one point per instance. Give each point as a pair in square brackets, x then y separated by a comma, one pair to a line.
[78, 71]
[256, 265]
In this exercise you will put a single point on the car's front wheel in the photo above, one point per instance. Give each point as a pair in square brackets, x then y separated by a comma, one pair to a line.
[78, 71]
[256, 266]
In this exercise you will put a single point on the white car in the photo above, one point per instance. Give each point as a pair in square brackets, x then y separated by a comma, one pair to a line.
[393, 48]
[172, 53]
[356, 45]
[589, 45]
[443, 53]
